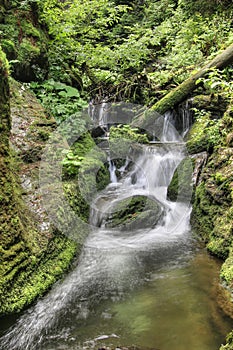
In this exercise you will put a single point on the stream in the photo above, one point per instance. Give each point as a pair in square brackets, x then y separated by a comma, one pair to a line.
[152, 287]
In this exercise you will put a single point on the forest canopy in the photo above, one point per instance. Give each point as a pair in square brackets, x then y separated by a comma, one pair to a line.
[126, 50]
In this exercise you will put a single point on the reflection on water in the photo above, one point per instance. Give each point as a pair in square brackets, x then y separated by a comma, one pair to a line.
[174, 308]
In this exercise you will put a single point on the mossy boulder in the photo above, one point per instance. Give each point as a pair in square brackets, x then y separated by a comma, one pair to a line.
[88, 163]
[134, 213]
[212, 215]
[204, 134]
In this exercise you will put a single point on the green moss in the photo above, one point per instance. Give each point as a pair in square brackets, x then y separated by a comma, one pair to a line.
[29, 265]
[126, 132]
[212, 222]
[197, 137]
[30, 261]
[86, 163]
[29, 29]
[36, 275]
[76, 201]
[24, 43]
[9, 48]
[27, 51]
[84, 145]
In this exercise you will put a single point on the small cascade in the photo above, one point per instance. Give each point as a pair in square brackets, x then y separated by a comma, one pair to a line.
[112, 171]
[99, 113]
[169, 132]
[186, 116]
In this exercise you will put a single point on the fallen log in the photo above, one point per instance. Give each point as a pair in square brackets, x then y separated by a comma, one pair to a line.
[182, 91]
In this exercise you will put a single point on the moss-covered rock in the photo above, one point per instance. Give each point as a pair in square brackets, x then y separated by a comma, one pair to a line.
[134, 213]
[215, 104]
[76, 201]
[88, 163]
[122, 138]
[128, 133]
[212, 116]
[204, 134]
[181, 186]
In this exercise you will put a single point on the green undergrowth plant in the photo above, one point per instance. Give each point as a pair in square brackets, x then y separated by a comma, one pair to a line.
[75, 156]
[61, 101]
[218, 82]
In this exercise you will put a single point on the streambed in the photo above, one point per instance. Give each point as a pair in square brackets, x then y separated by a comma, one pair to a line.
[151, 287]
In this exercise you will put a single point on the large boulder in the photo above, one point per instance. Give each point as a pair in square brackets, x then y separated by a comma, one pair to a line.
[134, 212]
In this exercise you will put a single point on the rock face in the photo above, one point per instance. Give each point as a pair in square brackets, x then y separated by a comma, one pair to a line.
[135, 212]
[212, 215]
[32, 255]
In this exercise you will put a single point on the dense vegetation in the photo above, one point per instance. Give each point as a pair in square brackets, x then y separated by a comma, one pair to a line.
[68, 52]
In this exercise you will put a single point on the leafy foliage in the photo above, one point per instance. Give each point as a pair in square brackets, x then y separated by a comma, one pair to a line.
[219, 82]
[115, 48]
[61, 101]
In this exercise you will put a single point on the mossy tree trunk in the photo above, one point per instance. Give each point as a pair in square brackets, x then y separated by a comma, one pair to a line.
[181, 92]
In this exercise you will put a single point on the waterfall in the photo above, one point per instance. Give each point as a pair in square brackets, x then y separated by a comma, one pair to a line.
[107, 262]
[111, 260]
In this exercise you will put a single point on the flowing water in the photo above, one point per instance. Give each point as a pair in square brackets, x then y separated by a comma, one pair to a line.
[151, 287]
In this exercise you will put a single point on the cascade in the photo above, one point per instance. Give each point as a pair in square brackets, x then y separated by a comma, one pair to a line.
[105, 253]
[114, 263]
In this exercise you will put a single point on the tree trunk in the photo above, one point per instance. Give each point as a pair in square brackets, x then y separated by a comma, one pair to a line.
[181, 92]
